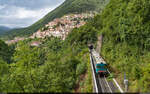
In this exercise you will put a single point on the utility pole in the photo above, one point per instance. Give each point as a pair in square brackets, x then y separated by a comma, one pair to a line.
[125, 82]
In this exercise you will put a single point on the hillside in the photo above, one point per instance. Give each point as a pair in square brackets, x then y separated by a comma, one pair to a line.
[3, 29]
[69, 6]
[58, 65]
[126, 43]
[54, 66]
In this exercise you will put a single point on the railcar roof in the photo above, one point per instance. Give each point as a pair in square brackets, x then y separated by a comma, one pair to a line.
[98, 58]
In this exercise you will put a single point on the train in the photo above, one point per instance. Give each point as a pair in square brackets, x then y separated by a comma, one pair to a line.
[100, 64]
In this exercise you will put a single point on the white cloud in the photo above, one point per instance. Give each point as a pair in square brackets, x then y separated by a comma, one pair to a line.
[2, 6]
[19, 16]
[22, 13]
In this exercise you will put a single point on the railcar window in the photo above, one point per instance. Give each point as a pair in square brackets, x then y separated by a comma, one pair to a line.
[101, 66]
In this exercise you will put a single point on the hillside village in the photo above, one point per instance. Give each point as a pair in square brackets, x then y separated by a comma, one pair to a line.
[59, 27]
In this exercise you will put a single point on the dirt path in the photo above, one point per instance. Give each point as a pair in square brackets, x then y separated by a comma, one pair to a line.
[99, 43]
[82, 77]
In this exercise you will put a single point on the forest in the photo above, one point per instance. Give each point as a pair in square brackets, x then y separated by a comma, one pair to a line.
[125, 26]
[54, 66]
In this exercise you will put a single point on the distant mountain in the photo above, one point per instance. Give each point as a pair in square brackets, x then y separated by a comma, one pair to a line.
[69, 6]
[3, 29]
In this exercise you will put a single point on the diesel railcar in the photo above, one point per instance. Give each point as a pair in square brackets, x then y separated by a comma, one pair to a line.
[100, 64]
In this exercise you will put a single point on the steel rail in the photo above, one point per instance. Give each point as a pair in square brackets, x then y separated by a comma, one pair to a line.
[101, 84]
[104, 84]
[107, 84]
[94, 77]
[116, 83]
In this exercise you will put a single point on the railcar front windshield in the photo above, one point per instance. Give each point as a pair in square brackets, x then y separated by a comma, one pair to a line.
[101, 66]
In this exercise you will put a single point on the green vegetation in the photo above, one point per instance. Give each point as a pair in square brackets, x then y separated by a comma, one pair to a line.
[126, 44]
[54, 66]
[69, 6]
[3, 29]
[6, 52]
[44, 28]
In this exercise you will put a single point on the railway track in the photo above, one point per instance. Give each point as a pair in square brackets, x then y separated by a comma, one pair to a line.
[104, 85]
[101, 83]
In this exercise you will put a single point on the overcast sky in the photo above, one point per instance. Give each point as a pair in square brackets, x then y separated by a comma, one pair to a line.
[22, 13]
